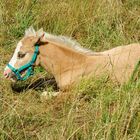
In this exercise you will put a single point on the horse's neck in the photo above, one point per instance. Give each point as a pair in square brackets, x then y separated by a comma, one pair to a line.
[60, 59]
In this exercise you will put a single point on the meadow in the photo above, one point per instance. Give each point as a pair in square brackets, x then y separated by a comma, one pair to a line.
[96, 109]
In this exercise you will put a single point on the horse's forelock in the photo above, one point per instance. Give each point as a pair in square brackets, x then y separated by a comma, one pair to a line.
[30, 32]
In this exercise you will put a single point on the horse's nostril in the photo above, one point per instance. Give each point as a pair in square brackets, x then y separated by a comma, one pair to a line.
[6, 75]
[7, 72]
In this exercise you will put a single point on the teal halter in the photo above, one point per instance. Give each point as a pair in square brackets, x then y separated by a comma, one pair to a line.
[28, 67]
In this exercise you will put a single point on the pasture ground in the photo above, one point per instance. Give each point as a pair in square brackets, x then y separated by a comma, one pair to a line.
[96, 109]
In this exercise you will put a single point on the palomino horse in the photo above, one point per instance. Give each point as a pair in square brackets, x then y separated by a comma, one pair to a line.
[68, 61]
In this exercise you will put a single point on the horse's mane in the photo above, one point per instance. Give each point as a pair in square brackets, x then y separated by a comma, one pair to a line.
[68, 42]
[65, 41]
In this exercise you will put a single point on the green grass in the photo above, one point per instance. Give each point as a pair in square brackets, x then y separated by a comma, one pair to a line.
[96, 109]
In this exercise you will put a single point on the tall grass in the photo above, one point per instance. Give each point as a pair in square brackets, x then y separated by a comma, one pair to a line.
[96, 109]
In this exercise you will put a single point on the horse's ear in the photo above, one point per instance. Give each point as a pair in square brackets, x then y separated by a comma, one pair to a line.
[30, 31]
[41, 35]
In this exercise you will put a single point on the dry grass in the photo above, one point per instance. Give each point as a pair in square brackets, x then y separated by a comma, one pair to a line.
[95, 109]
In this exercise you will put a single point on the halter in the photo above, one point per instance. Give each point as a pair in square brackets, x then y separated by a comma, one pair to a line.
[28, 66]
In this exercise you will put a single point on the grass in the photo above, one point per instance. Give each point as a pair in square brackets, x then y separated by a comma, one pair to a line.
[96, 109]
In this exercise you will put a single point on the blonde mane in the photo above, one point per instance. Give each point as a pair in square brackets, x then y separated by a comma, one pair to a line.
[65, 41]
[68, 42]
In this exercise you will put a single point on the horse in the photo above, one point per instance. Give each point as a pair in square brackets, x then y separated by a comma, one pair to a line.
[68, 61]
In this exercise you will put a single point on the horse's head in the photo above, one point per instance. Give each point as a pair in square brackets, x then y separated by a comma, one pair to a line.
[25, 56]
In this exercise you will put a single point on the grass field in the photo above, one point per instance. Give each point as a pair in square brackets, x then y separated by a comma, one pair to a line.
[96, 109]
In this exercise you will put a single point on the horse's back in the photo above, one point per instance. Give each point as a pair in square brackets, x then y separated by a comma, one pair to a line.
[124, 60]
[135, 47]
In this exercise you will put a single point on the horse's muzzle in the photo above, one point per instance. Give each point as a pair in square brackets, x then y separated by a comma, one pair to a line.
[8, 74]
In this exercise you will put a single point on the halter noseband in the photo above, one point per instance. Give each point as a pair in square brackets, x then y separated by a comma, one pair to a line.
[28, 66]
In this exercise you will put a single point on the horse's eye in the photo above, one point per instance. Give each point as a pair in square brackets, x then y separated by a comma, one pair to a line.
[21, 55]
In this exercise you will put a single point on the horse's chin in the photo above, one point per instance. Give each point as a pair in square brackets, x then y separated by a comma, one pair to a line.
[14, 80]
[11, 76]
